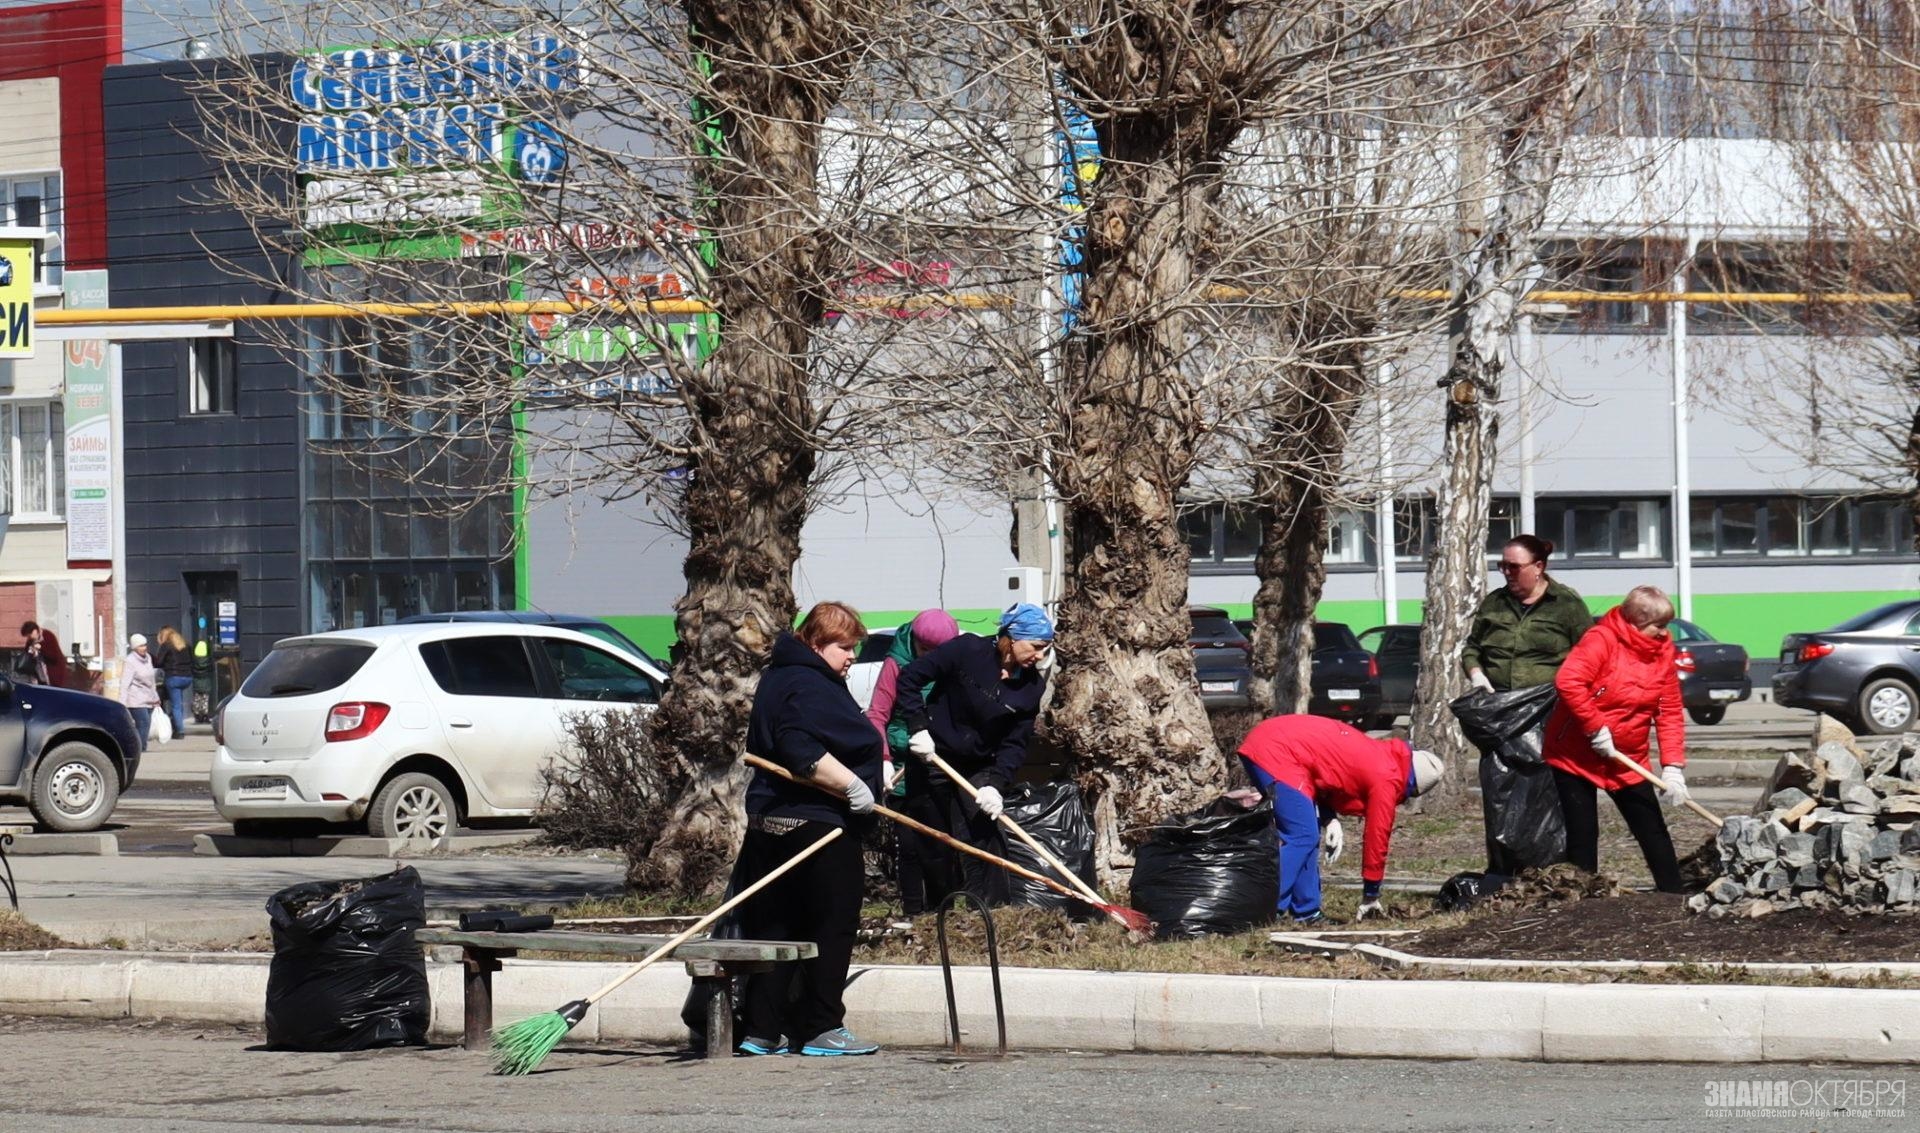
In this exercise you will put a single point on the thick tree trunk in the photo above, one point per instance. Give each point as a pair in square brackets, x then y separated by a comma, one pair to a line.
[752, 418]
[1127, 708]
[1301, 462]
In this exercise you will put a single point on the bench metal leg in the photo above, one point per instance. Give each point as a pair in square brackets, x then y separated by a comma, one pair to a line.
[478, 964]
[719, 1016]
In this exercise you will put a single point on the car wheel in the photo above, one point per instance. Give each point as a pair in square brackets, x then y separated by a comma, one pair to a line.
[75, 788]
[415, 805]
[1887, 706]
[1707, 716]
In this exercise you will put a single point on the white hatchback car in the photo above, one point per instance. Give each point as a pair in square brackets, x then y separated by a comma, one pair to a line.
[412, 728]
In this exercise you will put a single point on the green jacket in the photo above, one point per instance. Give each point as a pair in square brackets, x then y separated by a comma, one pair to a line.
[1520, 646]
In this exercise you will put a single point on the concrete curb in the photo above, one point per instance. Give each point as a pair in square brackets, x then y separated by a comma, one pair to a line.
[1096, 1011]
[96, 845]
[1712, 768]
[234, 846]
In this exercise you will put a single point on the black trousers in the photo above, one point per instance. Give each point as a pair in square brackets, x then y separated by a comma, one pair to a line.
[944, 870]
[1639, 806]
[818, 900]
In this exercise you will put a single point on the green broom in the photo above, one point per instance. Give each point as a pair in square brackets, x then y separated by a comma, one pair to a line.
[520, 1047]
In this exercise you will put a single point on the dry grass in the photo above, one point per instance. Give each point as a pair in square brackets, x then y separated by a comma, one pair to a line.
[18, 934]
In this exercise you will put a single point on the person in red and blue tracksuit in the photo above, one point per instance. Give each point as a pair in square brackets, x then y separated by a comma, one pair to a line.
[1315, 770]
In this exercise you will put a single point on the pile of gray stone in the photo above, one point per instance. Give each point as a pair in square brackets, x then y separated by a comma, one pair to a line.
[1837, 830]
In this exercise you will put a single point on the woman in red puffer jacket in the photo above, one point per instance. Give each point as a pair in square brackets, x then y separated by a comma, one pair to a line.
[1617, 687]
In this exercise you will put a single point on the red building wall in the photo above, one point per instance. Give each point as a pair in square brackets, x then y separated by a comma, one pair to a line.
[74, 42]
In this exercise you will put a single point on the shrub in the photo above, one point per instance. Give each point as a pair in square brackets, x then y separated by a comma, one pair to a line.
[612, 792]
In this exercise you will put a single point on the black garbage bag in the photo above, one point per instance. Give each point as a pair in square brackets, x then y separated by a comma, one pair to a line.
[347, 974]
[1213, 872]
[1052, 813]
[1516, 786]
[1463, 891]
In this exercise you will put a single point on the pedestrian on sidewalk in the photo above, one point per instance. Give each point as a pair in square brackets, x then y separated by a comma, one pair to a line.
[1316, 770]
[1618, 688]
[137, 690]
[805, 719]
[1521, 634]
[173, 664]
[44, 650]
[915, 853]
[973, 701]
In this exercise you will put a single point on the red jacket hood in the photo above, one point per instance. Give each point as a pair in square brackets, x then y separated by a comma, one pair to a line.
[1641, 646]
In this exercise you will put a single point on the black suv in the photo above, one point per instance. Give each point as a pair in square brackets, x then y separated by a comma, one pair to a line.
[66, 755]
[1864, 671]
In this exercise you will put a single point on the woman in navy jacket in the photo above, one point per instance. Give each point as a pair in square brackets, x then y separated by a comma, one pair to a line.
[805, 720]
[978, 717]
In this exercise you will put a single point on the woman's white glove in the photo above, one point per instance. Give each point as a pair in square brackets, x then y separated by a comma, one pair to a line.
[921, 744]
[859, 796]
[1676, 783]
[1478, 679]
[1332, 841]
[990, 803]
[1602, 741]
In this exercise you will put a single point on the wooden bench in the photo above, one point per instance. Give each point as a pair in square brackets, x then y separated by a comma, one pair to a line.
[710, 962]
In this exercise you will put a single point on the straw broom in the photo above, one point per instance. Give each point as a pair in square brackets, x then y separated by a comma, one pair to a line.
[520, 1047]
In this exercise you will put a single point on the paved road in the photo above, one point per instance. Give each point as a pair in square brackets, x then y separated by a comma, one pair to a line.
[68, 1077]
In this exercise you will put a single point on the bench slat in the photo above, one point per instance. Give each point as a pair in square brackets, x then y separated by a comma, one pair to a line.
[623, 944]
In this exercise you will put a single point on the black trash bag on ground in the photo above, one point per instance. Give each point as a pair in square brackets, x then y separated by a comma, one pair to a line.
[1517, 793]
[1213, 872]
[1052, 813]
[1463, 891]
[347, 974]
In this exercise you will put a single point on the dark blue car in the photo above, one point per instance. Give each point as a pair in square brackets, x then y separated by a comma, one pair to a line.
[66, 755]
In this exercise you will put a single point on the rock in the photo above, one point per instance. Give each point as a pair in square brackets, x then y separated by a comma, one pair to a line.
[1838, 761]
[1725, 891]
[1698, 902]
[1817, 899]
[1854, 845]
[1910, 840]
[1756, 909]
[1787, 798]
[1900, 806]
[1882, 758]
[1885, 844]
[1910, 767]
[1827, 730]
[1862, 894]
[1793, 771]
[1796, 851]
[1715, 912]
[1888, 785]
[1900, 887]
[1807, 877]
[1819, 817]
[1857, 798]
[1774, 880]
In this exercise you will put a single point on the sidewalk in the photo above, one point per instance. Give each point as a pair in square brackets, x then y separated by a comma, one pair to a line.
[1096, 1011]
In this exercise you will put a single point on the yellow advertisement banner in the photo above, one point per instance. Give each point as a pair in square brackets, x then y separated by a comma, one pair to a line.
[16, 296]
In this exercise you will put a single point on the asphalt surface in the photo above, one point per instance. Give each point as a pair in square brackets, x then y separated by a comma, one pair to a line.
[70, 1077]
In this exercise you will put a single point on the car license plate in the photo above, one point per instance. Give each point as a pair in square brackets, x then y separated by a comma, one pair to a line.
[263, 787]
[1723, 693]
[1216, 686]
[1343, 694]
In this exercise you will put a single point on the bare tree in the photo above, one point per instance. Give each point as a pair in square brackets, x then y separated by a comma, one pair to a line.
[1516, 114]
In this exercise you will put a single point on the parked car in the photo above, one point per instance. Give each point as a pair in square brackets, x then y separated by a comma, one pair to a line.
[1222, 658]
[1713, 674]
[1396, 652]
[1864, 671]
[592, 627]
[1346, 679]
[65, 755]
[412, 729]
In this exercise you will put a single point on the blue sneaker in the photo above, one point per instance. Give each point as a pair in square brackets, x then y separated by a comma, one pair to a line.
[837, 1041]
[1311, 919]
[759, 1046]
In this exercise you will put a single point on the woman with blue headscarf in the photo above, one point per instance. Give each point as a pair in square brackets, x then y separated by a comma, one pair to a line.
[978, 715]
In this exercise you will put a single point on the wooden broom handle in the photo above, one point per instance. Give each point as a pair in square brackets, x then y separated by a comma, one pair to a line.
[1688, 802]
[939, 836]
[973, 793]
[722, 911]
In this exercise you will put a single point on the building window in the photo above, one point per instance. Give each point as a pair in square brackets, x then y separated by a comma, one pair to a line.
[1748, 268]
[1220, 532]
[1801, 526]
[213, 376]
[1604, 528]
[34, 482]
[1603, 265]
[34, 202]
[1349, 537]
